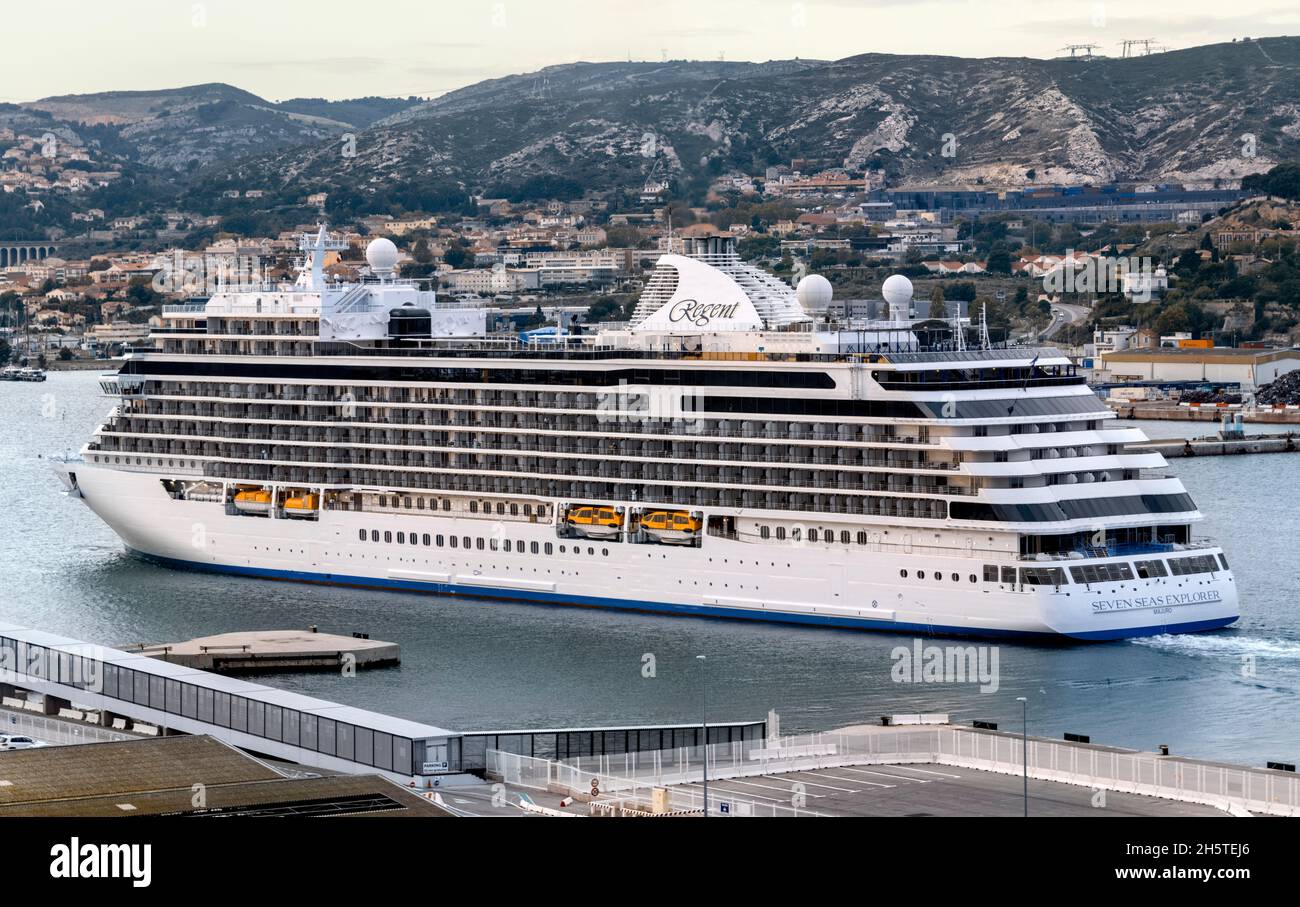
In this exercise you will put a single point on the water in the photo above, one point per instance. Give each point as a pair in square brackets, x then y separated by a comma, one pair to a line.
[469, 665]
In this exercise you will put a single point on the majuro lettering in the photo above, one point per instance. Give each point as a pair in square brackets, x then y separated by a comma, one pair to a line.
[701, 313]
[1154, 601]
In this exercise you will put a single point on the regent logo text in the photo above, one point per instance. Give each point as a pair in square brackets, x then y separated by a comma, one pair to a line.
[701, 314]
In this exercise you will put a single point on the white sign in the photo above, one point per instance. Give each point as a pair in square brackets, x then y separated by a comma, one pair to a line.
[431, 767]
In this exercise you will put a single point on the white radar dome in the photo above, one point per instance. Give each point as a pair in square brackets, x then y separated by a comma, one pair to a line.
[897, 291]
[381, 255]
[814, 293]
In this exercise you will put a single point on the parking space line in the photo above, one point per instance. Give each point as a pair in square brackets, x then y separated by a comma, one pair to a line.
[784, 790]
[842, 790]
[863, 771]
[924, 771]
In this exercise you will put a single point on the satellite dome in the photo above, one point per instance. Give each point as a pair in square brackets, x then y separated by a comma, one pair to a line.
[381, 254]
[897, 291]
[814, 293]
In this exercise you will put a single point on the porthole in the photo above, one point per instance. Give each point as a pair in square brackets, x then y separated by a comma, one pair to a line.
[903, 574]
[920, 574]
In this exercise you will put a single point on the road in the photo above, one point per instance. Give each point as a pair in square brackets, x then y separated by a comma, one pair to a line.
[1064, 314]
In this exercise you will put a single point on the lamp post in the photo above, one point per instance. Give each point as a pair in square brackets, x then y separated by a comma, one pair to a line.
[1024, 741]
[704, 685]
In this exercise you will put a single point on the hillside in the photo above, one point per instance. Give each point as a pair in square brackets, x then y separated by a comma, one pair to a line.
[1183, 115]
[185, 128]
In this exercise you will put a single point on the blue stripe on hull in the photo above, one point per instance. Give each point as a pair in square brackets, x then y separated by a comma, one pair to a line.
[652, 607]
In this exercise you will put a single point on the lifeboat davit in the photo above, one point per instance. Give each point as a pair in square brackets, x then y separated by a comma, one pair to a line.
[301, 506]
[672, 527]
[595, 522]
[256, 500]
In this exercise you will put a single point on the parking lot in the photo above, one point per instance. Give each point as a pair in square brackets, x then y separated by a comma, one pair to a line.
[933, 790]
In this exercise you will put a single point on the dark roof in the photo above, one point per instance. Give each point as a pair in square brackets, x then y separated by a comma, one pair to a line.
[157, 777]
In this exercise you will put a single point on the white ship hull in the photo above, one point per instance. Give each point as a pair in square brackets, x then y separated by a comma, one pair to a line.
[819, 584]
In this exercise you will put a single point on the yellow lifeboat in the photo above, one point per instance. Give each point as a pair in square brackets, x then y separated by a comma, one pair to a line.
[595, 522]
[253, 500]
[672, 527]
[302, 505]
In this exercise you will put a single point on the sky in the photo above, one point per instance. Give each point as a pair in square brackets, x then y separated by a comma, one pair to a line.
[281, 49]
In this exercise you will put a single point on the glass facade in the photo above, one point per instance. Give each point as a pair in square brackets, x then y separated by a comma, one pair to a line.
[363, 745]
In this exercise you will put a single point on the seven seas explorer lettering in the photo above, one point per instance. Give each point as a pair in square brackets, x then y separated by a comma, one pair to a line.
[1154, 601]
[701, 313]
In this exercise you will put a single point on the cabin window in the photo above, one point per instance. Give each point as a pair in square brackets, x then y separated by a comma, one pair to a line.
[492, 543]
[374, 535]
[388, 536]
[446, 503]
[920, 574]
[990, 573]
[862, 538]
[455, 542]
[412, 540]
[514, 509]
[550, 549]
[473, 506]
[780, 533]
[533, 548]
[974, 578]
[1009, 576]
[478, 543]
[812, 534]
[764, 532]
[465, 540]
[438, 541]
[506, 544]
[426, 540]
[844, 536]
[903, 574]
[361, 534]
[401, 538]
[407, 502]
[956, 578]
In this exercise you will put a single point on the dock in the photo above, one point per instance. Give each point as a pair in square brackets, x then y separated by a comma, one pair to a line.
[1174, 448]
[1208, 412]
[276, 650]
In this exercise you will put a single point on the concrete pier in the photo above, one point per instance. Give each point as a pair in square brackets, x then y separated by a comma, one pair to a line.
[275, 650]
[1216, 447]
[1174, 412]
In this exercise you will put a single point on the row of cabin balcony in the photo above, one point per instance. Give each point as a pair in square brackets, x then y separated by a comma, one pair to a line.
[557, 442]
[361, 426]
[405, 405]
[386, 450]
[632, 472]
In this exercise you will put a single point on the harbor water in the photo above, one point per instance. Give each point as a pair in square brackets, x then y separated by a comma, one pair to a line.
[471, 665]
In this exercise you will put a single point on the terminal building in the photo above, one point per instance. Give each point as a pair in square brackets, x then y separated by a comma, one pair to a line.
[1249, 368]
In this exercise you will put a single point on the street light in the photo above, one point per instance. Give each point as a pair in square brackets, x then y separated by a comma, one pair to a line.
[1024, 739]
[704, 684]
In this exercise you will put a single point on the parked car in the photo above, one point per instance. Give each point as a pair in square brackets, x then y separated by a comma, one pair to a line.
[19, 742]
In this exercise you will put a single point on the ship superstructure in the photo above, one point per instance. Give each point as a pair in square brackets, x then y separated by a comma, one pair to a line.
[727, 453]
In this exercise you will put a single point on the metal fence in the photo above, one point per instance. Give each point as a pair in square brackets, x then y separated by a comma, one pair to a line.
[635, 776]
[1222, 786]
[53, 730]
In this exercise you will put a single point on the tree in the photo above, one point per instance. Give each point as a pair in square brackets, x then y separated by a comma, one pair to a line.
[458, 257]
[938, 309]
[999, 259]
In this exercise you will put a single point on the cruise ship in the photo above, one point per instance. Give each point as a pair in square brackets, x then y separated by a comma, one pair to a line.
[733, 451]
